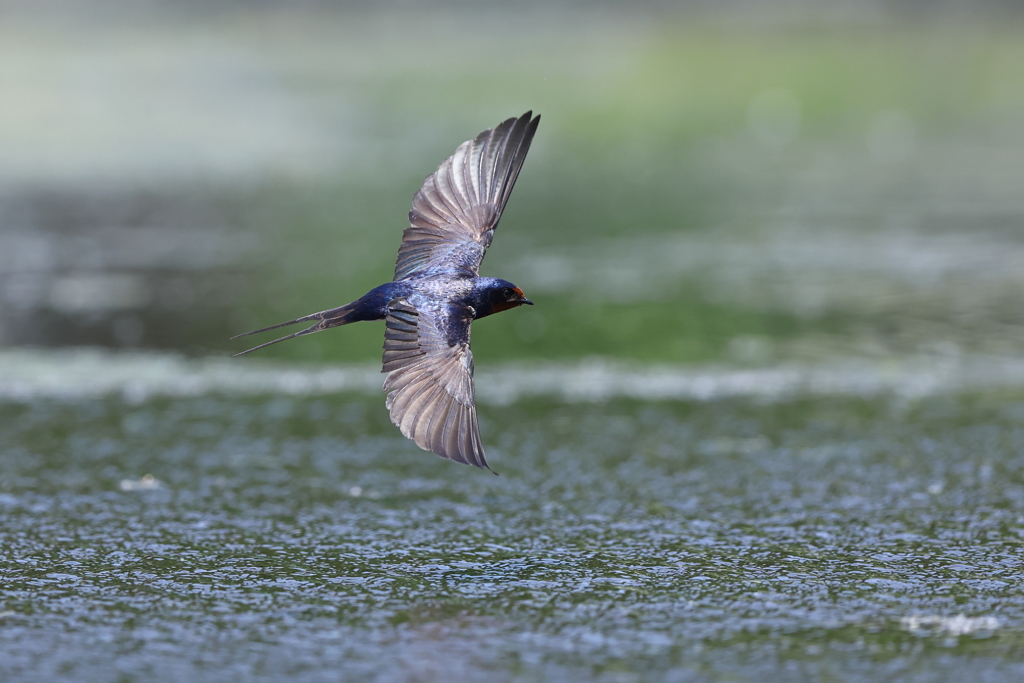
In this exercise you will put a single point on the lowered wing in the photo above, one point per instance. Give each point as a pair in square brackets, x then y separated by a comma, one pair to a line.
[430, 380]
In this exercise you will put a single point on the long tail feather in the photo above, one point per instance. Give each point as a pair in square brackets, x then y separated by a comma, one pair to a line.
[326, 320]
[314, 316]
[309, 330]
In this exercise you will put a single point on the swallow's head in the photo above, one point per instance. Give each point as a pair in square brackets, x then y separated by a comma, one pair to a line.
[499, 295]
[513, 296]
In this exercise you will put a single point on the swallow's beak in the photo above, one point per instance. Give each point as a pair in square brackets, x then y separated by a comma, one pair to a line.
[526, 301]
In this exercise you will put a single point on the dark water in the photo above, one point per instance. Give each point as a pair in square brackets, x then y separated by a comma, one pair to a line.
[223, 538]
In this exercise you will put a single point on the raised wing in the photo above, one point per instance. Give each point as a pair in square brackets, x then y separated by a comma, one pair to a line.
[455, 213]
[430, 385]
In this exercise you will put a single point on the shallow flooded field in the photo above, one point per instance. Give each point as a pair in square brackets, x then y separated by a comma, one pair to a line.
[837, 534]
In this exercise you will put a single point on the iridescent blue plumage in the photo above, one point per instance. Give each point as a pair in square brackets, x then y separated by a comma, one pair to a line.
[437, 293]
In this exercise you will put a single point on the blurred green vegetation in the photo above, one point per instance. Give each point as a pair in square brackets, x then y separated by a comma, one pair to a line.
[645, 132]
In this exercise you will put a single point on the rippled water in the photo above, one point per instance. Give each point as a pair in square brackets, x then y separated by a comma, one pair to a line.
[227, 535]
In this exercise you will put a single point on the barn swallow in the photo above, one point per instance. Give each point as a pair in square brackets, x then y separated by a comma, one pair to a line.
[438, 292]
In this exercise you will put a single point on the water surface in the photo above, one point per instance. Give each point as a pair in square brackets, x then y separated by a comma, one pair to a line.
[239, 535]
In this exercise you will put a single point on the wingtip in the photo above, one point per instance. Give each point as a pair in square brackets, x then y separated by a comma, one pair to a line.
[481, 462]
[482, 465]
[529, 118]
[526, 119]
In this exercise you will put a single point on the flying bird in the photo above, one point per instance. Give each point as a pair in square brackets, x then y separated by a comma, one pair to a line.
[438, 292]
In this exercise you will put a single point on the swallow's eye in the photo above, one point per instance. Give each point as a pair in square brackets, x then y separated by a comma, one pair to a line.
[509, 294]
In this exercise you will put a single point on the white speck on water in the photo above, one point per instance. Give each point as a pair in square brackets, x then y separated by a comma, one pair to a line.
[959, 625]
[147, 483]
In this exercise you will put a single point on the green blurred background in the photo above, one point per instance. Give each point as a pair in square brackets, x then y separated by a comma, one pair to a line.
[739, 182]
